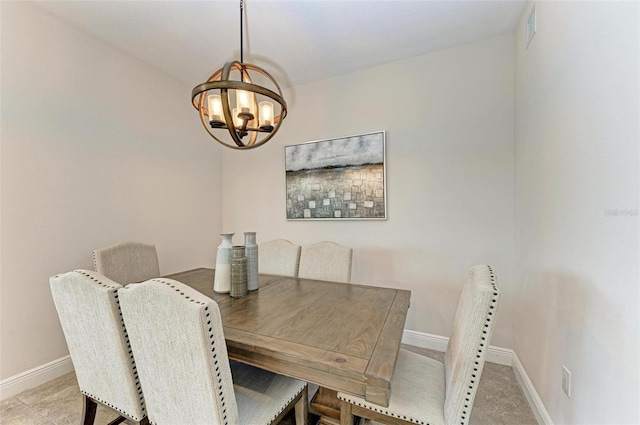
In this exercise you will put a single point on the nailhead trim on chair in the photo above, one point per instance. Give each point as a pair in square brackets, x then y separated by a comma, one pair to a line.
[212, 343]
[99, 282]
[481, 348]
[132, 364]
[286, 405]
[216, 365]
[134, 417]
[383, 411]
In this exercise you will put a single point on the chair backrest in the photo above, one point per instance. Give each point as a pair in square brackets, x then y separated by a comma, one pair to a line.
[472, 329]
[178, 342]
[280, 257]
[326, 261]
[127, 262]
[87, 304]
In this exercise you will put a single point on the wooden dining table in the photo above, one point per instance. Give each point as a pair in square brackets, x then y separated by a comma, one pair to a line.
[341, 337]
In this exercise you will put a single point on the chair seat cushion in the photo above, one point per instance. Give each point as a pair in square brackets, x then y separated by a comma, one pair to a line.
[417, 391]
[261, 395]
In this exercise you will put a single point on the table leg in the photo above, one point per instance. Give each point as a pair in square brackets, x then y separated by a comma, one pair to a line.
[326, 403]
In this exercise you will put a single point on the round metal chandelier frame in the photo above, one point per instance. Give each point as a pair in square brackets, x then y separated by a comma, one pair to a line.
[220, 81]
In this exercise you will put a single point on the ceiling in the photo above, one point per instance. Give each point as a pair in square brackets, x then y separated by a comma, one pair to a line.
[296, 41]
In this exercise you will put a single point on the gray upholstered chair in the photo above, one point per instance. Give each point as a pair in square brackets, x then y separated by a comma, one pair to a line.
[178, 341]
[127, 262]
[326, 261]
[280, 257]
[426, 391]
[87, 305]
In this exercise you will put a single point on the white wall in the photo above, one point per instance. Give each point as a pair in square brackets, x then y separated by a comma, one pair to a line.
[97, 148]
[576, 162]
[448, 118]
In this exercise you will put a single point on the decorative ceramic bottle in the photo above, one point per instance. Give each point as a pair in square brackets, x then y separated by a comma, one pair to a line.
[238, 272]
[222, 279]
[251, 249]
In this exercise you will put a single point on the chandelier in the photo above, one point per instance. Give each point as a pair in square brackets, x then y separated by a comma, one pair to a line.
[234, 109]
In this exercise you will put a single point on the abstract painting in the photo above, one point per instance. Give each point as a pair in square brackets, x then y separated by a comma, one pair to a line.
[337, 179]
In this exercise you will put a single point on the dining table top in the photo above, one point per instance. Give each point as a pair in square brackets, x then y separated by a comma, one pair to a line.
[344, 337]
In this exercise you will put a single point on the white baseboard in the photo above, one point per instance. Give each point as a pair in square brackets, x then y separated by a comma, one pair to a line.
[424, 340]
[499, 355]
[34, 377]
[540, 412]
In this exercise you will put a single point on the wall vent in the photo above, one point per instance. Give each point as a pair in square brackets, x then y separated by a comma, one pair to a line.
[531, 25]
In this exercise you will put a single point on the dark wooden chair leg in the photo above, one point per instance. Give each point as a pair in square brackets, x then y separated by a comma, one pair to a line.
[89, 408]
[145, 421]
[117, 421]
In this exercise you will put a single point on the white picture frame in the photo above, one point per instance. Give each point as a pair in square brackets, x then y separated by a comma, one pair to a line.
[337, 179]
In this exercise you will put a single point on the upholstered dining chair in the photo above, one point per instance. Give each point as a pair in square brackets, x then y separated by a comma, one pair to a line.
[280, 257]
[127, 262]
[426, 391]
[89, 312]
[178, 341]
[326, 261]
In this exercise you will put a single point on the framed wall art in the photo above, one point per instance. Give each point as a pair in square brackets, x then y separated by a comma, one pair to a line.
[337, 179]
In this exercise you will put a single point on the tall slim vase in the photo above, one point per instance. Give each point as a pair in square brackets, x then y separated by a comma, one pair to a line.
[251, 249]
[238, 272]
[222, 279]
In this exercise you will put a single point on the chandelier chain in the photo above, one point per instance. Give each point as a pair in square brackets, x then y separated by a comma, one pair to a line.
[241, 31]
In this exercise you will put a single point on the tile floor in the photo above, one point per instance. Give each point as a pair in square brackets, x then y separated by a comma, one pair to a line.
[499, 401]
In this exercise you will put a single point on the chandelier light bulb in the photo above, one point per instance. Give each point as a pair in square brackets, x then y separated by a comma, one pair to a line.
[265, 109]
[214, 105]
[242, 100]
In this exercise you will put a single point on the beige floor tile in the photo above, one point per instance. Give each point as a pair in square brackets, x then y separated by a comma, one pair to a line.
[48, 389]
[9, 403]
[15, 412]
[499, 400]
[63, 407]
